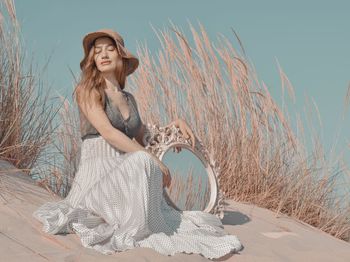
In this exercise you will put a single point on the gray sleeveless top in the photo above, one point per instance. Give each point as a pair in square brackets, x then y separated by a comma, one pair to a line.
[129, 126]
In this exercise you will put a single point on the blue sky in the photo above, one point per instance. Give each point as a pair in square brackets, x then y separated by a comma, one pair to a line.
[309, 39]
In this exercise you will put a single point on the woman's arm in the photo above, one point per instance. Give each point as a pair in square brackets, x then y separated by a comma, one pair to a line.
[96, 115]
[141, 133]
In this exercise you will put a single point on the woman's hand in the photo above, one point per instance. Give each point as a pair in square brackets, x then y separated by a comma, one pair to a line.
[185, 131]
[163, 168]
[166, 174]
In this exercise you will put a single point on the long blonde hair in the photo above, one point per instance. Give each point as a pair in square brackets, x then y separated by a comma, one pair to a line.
[93, 81]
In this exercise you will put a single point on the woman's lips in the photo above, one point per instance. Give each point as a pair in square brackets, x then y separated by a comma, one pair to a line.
[106, 63]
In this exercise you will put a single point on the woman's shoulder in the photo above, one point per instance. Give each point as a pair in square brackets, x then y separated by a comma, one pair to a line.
[84, 95]
[128, 93]
[84, 91]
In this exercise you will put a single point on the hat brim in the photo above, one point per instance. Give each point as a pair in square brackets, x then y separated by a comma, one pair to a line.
[132, 61]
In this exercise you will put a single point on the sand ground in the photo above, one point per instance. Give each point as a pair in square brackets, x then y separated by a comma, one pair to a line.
[265, 236]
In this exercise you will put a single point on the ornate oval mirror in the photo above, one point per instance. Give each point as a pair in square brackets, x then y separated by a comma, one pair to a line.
[195, 178]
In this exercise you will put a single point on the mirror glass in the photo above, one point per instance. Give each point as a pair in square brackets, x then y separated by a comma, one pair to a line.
[190, 187]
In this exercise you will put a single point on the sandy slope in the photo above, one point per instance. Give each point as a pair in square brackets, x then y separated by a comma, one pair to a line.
[265, 237]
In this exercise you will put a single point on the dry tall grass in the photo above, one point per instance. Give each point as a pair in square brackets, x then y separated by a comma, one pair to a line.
[26, 114]
[262, 160]
[217, 92]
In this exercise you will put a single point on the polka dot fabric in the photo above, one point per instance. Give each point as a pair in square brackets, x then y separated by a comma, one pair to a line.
[116, 203]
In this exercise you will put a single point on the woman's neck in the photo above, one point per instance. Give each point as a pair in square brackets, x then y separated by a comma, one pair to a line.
[112, 82]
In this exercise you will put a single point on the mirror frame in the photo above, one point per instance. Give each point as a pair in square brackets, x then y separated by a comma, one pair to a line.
[159, 139]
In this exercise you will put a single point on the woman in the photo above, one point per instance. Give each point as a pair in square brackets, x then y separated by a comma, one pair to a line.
[116, 200]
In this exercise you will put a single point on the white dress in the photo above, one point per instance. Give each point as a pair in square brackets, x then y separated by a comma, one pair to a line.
[116, 203]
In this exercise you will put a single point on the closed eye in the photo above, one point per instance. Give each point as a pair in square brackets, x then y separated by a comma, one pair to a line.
[110, 48]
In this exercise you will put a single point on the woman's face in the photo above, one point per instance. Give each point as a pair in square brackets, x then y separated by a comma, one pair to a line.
[106, 55]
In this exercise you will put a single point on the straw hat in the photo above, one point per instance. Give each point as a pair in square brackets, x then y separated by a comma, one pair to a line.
[132, 61]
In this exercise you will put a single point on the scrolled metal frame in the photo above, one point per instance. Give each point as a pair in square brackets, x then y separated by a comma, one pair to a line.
[159, 139]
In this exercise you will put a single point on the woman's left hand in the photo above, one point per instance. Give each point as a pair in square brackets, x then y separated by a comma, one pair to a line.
[186, 132]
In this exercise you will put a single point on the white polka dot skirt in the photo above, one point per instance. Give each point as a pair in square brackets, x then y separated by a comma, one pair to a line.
[116, 203]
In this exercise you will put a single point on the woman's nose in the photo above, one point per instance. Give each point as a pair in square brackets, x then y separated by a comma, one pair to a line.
[104, 53]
